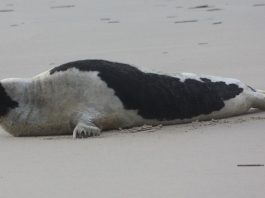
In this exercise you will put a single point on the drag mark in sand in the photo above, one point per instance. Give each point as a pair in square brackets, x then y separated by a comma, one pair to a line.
[217, 23]
[62, 137]
[147, 128]
[202, 43]
[250, 165]
[105, 19]
[160, 5]
[109, 20]
[17, 24]
[187, 21]
[6, 10]
[193, 126]
[9, 4]
[113, 22]
[171, 17]
[214, 9]
[201, 6]
[260, 4]
[62, 6]
[14, 25]
[224, 122]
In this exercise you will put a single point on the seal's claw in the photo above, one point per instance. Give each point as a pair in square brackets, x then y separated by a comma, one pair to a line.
[85, 131]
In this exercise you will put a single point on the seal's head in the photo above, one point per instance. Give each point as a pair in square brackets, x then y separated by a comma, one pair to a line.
[6, 102]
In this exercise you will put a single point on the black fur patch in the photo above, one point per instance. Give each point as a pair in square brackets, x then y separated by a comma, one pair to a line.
[157, 96]
[6, 103]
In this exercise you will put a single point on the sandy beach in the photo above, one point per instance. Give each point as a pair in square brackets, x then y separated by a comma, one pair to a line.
[201, 159]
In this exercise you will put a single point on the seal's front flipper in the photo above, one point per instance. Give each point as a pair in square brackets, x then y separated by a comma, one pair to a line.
[83, 130]
[83, 124]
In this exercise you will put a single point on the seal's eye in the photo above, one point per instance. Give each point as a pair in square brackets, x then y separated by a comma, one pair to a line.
[6, 102]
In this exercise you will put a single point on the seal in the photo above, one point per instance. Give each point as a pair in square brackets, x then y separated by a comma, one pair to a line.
[86, 97]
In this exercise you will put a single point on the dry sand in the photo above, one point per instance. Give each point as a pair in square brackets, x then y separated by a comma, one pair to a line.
[224, 38]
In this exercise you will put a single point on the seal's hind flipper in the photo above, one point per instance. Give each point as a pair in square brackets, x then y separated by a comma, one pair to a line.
[259, 99]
